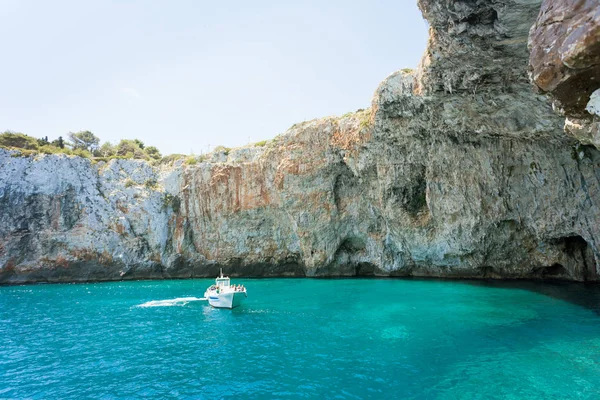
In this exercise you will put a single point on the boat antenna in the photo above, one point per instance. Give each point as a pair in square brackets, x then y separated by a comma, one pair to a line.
[221, 272]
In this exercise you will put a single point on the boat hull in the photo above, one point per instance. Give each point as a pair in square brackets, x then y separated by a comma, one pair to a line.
[226, 300]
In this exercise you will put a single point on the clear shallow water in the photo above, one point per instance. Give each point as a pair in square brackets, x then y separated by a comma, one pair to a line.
[297, 338]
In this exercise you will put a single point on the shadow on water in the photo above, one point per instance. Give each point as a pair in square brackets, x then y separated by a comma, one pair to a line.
[586, 295]
[581, 294]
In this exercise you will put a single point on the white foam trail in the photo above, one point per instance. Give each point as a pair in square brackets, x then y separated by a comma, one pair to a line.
[180, 301]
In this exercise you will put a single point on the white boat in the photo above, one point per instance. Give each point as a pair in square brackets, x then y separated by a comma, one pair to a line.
[223, 295]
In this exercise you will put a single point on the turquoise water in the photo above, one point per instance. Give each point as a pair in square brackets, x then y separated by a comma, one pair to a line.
[302, 338]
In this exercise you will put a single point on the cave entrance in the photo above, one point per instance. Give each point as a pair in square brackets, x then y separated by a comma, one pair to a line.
[578, 249]
[555, 271]
[365, 269]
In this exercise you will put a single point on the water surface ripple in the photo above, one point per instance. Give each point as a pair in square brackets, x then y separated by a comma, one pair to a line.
[301, 338]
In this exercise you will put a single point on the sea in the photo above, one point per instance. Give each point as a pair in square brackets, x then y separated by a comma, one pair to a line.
[301, 339]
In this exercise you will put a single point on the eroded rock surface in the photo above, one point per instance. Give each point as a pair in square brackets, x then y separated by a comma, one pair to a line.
[457, 170]
[565, 62]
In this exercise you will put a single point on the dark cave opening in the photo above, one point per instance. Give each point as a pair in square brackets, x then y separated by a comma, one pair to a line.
[365, 269]
[412, 197]
[577, 248]
[553, 271]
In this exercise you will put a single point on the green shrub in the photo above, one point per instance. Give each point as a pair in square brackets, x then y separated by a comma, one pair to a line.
[166, 200]
[50, 149]
[223, 149]
[171, 158]
[152, 152]
[129, 183]
[151, 184]
[262, 143]
[129, 149]
[18, 140]
[365, 119]
[191, 160]
[81, 153]
[23, 153]
[139, 143]
[106, 150]
[171, 201]
[59, 142]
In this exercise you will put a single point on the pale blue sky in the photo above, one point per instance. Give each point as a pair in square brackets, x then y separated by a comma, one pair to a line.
[184, 74]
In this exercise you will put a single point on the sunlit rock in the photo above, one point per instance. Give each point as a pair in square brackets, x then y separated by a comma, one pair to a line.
[457, 170]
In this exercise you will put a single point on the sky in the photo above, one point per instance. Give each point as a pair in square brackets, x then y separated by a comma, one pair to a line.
[187, 75]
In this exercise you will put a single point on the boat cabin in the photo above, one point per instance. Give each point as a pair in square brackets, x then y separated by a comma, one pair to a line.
[222, 282]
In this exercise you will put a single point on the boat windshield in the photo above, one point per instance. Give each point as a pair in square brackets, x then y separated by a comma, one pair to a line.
[223, 282]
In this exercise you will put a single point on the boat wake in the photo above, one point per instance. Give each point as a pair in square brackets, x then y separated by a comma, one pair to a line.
[180, 301]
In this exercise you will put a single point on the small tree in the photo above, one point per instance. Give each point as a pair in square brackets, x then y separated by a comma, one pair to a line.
[139, 143]
[59, 142]
[131, 149]
[43, 141]
[153, 152]
[84, 140]
[126, 147]
[106, 150]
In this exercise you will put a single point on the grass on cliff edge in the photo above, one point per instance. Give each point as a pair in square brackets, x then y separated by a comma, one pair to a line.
[25, 146]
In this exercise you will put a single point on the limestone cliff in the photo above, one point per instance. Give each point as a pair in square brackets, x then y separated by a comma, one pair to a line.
[565, 62]
[457, 170]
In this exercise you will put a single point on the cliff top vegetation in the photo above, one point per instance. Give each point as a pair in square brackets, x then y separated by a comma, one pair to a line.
[86, 144]
[82, 144]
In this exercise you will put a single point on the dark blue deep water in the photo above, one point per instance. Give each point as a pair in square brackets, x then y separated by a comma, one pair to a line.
[302, 338]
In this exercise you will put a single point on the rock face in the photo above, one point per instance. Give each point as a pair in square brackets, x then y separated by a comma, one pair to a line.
[565, 62]
[457, 170]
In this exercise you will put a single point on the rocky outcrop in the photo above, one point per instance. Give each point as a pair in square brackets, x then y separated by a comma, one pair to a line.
[457, 170]
[565, 62]
[63, 218]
